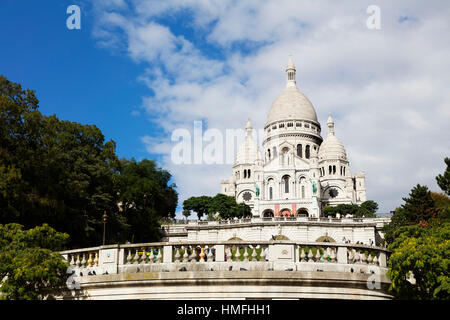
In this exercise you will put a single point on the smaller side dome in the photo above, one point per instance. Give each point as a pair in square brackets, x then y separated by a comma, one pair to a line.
[248, 151]
[331, 147]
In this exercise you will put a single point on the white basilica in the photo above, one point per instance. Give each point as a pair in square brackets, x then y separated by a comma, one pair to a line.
[300, 172]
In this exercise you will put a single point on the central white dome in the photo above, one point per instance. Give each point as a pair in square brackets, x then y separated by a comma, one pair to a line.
[290, 105]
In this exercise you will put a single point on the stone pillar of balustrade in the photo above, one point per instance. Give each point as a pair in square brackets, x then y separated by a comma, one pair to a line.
[107, 259]
[282, 252]
[167, 256]
[342, 255]
[220, 252]
[382, 259]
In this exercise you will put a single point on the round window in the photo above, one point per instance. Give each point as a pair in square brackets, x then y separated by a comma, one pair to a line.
[333, 193]
[247, 196]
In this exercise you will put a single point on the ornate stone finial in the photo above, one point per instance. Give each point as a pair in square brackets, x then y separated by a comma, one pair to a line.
[290, 73]
[249, 127]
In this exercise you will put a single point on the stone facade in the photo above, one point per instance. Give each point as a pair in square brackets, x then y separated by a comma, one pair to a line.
[300, 172]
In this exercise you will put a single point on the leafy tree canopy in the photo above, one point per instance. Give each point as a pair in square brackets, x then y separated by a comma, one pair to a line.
[198, 205]
[443, 180]
[366, 209]
[29, 267]
[223, 205]
[419, 236]
[67, 175]
[145, 195]
[424, 254]
[419, 207]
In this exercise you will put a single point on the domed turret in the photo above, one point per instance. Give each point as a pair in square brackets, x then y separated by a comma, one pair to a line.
[248, 151]
[331, 147]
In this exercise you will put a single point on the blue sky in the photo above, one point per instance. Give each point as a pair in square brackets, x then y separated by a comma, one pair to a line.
[140, 69]
[72, 76]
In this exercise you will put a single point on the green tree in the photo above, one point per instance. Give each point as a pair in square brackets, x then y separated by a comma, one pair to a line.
[186, 213]
[423, 253]
[418, 208]
[329, 211]
[443, 180]
[145, 194]
[29, 266]
[366, 209]
[52, 171]
[371, 208]
[442, 203]
[242, 211]
[224, 205]
[67, 175]
[419, 237]
[199, 205]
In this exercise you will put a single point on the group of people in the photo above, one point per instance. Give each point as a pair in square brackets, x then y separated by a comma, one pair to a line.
[344, 240]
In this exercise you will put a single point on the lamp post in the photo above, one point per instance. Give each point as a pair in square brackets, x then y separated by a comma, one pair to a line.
[105, 218]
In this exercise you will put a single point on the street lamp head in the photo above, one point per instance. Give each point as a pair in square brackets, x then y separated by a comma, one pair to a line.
[105, 217]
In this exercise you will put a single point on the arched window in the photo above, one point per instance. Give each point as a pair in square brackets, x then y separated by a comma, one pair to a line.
[286, 184]
[270, 188]
[290, 75]
[307, 151]
[330, 169]
[245, 173]
[299, 151]
[268, 152]
[248, 173]
[334, 169]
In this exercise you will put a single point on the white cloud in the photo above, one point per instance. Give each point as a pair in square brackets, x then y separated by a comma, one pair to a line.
[387, 89]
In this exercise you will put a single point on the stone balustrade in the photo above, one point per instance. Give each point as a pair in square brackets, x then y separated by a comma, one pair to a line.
[278, 219]
[188, 255]
[228, 269]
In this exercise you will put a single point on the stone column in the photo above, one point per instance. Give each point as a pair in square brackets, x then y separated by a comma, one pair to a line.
[167, 258]
[220, 252]
[382, 259]
[342, 255]
[108, 259]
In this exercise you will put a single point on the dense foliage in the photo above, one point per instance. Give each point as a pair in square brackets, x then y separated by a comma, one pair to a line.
[419, 237]
[66, 175]
[443, 180]
[145, 195]
[219, 206]
[424, 254]
[367, 209]
[417, 209]
[29, 267]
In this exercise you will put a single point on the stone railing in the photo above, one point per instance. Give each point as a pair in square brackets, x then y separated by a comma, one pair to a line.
[181, 229]
[302, 218]
[225, 255]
